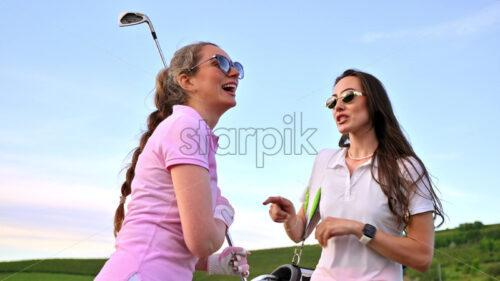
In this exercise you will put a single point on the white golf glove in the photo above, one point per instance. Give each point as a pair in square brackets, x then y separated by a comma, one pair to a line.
[232, 261]
[223, 210]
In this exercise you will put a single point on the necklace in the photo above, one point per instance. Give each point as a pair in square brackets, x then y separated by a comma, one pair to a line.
[358, 158]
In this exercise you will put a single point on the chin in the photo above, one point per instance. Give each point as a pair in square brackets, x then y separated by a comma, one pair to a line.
[230, 103]
[227, 105]
[343, 130]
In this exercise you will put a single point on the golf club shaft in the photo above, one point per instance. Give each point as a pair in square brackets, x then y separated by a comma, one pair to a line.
[230, 243]
[161, 53]
[153, 33]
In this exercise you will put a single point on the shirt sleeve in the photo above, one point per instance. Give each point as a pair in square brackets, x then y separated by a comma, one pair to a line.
[187, 141]
[421, 201]
[302, 197]
[319, 162]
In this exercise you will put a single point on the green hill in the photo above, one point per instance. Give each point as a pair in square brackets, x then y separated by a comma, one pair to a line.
[469, 252]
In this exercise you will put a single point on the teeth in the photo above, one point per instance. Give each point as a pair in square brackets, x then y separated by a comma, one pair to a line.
[229, 86]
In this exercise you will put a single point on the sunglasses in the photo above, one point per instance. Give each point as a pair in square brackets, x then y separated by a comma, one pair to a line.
[345, 97]
[224, 65]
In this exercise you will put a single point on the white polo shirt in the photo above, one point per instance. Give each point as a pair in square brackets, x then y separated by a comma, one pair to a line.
[358, 198]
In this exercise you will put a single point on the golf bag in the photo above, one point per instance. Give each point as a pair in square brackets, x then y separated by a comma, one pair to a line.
[287, 272]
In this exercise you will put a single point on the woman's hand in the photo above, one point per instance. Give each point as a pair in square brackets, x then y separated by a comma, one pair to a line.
[282, 211]
[281, 208]
[332, 227]
[232, 261]
[223, 210]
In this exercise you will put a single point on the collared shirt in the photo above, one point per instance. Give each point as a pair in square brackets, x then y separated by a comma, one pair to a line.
[151, 242]
[357, 197]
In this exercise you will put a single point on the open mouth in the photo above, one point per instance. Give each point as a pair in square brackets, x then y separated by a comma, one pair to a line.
[230, 87]
[341, 118]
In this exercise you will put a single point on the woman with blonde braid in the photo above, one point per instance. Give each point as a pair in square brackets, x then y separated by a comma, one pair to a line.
[177, 217]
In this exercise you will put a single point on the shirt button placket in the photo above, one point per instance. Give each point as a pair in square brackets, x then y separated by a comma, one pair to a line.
[347, 194]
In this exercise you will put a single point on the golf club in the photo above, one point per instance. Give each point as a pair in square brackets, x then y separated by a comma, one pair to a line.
[133, 18]
[230, 243]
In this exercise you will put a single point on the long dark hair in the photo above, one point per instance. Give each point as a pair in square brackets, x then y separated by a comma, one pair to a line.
[168, 93]
[395, 156]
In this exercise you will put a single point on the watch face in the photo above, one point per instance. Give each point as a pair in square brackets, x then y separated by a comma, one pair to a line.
[369, 230]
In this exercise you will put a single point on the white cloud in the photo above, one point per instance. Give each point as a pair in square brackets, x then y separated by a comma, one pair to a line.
[40, 243]
[42, 217]
[20, 187]
[488, 17]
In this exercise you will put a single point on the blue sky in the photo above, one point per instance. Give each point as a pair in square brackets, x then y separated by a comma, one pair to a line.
[76, 90]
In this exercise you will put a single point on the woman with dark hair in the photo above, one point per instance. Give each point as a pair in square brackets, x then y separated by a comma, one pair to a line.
[177, 217]
[371, 190]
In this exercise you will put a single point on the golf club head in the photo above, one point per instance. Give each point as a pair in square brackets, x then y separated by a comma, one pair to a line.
[132, 18]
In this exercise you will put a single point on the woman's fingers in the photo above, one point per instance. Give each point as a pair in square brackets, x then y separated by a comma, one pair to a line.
[332, 227]
[277, 214]
[281, 209]
[318, 236]
[278, 200]
[275, 211]
[275, 200]
[323, 232]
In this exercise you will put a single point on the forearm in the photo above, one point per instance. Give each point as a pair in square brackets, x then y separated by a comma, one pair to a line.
[207, 240]
[415, 250]
[403, 250]
[201, 264]
[202, 233]
[294, 228]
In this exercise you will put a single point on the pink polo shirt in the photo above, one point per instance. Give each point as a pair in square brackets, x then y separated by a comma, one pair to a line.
[151, 243]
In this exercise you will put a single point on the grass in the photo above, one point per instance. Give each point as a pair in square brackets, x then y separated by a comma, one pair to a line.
[67, 266]
[32, 276]
[470, 260]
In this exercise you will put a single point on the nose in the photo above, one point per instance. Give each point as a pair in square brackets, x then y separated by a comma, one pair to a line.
[339, 106]
[233, 72]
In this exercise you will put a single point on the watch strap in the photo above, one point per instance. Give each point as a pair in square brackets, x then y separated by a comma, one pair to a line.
[368, 234]
[365, 239]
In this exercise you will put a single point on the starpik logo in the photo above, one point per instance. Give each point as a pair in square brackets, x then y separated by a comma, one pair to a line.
[292, 139]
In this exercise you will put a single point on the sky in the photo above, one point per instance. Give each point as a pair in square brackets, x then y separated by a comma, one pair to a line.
[76, 89]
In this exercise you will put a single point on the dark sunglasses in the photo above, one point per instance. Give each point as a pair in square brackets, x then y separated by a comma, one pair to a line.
[345, 97]
[224, 65]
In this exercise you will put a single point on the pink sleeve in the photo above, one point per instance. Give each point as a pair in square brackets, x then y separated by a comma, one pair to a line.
[187, 141]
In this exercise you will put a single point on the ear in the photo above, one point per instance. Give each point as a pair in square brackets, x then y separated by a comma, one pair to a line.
[186, 82]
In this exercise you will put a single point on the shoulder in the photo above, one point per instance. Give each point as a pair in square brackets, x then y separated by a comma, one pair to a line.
[181, 121]
[410, 165]
[327, 155]
[182, 127]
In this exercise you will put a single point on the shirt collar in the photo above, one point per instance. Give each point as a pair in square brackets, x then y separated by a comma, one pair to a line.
[180, 108]
[338, 159]
[185, 109]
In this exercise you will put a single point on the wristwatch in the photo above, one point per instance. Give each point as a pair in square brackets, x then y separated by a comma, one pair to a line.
[368, 234]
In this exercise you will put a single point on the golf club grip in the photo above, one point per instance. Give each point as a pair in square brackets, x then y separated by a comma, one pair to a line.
[230, 243]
